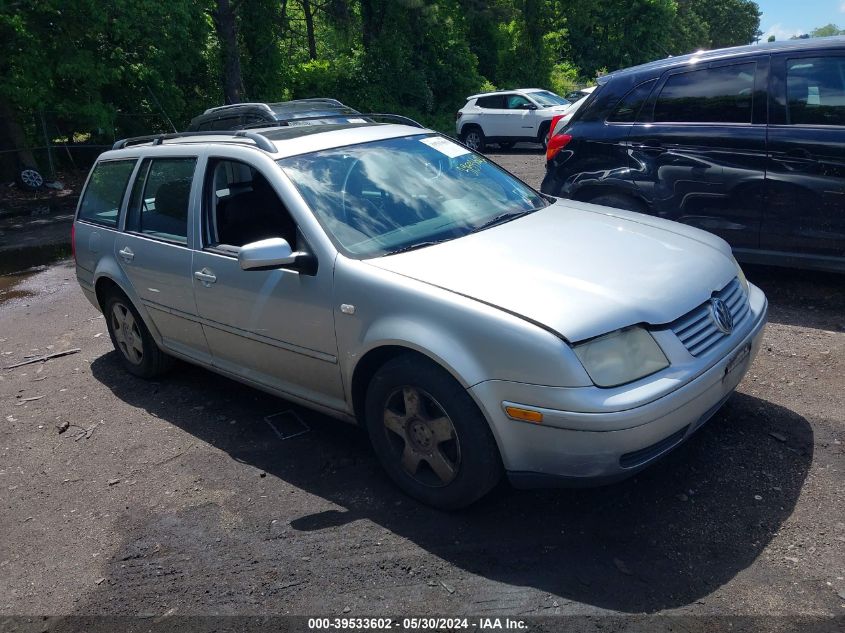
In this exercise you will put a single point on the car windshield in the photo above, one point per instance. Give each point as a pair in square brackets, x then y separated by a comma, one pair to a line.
[393, 195]
[546, 98]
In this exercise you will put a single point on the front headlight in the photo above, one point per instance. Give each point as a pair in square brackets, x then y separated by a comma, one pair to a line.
[742, 280]
[621, 356]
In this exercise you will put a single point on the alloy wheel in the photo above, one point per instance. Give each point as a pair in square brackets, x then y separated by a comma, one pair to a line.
[423, 437]
[127, 334]
[473, 140]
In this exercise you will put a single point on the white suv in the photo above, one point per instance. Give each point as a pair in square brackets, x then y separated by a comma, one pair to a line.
[506, 117]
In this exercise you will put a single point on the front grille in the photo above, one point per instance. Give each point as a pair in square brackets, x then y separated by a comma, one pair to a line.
[697, 330]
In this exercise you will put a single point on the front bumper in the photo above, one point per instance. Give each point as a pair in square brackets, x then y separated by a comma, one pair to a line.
[560, 451]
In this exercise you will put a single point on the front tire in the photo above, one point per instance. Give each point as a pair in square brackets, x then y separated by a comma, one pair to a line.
[138, 351]
[473, 138]
[429, 435]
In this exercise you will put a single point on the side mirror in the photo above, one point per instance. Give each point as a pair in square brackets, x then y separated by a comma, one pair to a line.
[273, 253]
[529, 106]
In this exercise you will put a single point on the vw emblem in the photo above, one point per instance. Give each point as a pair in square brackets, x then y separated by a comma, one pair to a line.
[721, 315]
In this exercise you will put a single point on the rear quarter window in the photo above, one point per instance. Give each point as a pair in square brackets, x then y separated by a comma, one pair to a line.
[104, 194]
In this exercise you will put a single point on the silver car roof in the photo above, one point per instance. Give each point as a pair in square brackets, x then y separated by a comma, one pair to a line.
[287, 140]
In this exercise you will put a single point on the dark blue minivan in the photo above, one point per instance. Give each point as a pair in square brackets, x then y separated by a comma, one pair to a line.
[746, 142]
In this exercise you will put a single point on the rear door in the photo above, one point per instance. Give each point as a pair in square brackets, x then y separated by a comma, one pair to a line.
[699, 154]
[805, 181]
[492, 114]
[154, 252]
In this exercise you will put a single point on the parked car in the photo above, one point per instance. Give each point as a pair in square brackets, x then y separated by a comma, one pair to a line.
[506, 117]
[241, 115]
[747, 142]
[575, 95]
[390, 277]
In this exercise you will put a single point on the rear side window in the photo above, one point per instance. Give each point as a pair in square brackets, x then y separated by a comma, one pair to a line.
[815, 90]
[160, 197]
[104, 193]
[494, 102]
[711, 95]
[629, 106]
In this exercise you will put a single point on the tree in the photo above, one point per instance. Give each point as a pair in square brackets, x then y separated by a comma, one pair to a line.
[226, 23]
[772, 38]
[826, 31]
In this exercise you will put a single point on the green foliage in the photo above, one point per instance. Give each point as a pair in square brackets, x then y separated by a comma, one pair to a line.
[129, 66]
[826, 31]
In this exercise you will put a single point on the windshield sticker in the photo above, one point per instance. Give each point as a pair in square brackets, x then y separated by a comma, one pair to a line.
[445, 146]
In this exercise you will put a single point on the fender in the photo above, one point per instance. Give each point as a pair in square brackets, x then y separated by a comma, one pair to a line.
[108, 268]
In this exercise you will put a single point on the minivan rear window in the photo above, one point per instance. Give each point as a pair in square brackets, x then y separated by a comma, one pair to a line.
[629, 106]
[712, 95]
[815, 89]
[104, 193]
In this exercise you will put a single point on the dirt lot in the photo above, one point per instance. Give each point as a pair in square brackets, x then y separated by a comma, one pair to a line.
[176, 497]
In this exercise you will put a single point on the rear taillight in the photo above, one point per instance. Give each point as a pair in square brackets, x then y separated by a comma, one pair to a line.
[557, 143]
[458, 115]
[555, 119]
[73, 240]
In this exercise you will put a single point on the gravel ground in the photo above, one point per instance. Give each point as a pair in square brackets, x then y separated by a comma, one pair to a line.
[125, 497]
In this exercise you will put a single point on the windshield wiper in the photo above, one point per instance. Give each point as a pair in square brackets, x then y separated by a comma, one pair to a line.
[413, 247]
[502, 218]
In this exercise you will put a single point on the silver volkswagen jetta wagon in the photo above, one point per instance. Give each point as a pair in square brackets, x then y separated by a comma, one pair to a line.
[385, 275]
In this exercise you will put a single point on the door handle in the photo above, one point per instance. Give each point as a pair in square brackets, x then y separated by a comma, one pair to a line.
[126, 253]
[205, 276]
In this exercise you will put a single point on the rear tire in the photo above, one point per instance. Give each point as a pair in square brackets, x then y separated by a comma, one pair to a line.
[619, 201]
[139, 354]
[473, 138]
[429, 435]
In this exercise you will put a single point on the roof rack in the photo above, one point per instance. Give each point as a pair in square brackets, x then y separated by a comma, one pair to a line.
[309, 100]
[398, 118]
[157, 139]
[237, 105]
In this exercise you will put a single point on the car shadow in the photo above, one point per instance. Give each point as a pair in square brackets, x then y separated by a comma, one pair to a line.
[803, 298]
[666, 538]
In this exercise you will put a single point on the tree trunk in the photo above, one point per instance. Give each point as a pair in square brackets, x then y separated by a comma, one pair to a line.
[225, 21]
[309, 29]
[12, 137]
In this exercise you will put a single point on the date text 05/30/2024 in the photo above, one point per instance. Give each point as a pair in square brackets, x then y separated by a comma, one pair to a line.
[417, 624]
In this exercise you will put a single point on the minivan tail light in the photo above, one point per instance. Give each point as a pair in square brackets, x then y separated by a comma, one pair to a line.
[555, 119]
[458, 115]
[557, 143]
[73, 240]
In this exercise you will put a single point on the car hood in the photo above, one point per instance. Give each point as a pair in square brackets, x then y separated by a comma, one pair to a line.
[579, 269]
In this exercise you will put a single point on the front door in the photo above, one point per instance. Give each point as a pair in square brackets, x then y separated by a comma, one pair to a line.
[699, 153]
[272, 327]
[805, 180]
[153, 252]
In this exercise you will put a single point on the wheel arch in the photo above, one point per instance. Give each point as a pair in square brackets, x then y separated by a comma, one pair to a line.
[470, 125]
[109, 277]
[379, 355]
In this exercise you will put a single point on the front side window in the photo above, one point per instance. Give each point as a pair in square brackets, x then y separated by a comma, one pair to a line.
[241, 207]
[397, 194]
[711, 95]
[160, 198]
[104, 193]
[546, 98]
[517, 102]
[815, 89]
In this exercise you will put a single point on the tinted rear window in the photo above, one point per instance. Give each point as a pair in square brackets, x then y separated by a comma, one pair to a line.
[494, 102]
[815, 88]
[104, 193]
[711, 95]
[629, 106]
